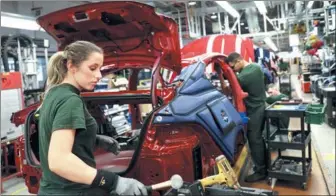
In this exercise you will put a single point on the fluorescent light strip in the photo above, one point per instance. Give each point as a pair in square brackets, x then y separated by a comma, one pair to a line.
[19, 22]
[191, 3]
[261, 7]
[226, 6]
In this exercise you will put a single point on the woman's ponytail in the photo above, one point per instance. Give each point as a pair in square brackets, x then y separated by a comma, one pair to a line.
[56, 69]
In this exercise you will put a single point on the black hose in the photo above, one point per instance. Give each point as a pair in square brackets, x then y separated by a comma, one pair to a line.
[27, 146]
[4, 51]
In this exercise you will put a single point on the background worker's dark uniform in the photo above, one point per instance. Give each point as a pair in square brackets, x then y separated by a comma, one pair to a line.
[63, 108]
[251, 79]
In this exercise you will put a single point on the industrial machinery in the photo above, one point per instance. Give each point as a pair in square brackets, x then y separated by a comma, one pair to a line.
[18, 78]
[19, 54]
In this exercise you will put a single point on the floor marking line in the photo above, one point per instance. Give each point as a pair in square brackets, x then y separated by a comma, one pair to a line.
[18, 191]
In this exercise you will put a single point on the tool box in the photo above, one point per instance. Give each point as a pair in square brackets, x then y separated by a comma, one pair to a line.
[288, 167]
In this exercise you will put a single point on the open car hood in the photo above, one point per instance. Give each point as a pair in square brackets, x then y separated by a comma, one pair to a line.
[130, 33]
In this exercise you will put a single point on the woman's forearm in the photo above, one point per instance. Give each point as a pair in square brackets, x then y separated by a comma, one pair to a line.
[74, 169]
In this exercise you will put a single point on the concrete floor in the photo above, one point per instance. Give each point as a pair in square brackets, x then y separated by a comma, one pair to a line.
[323, 140]
[15, 186]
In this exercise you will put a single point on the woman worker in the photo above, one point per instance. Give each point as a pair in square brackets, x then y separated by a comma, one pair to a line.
[67, 131]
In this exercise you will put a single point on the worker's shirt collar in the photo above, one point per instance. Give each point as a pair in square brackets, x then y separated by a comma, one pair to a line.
[71, 87]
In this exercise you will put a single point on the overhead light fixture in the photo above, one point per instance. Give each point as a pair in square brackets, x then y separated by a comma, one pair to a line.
[261, 7]
[192, 3]
[310, 4]
[268, 41]
[213, 16]
[227, 7]
[17, 21]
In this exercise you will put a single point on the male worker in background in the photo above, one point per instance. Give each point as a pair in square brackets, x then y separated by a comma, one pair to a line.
[251, 79]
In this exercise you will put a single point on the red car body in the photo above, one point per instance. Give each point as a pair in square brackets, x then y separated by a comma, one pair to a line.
[134, 37]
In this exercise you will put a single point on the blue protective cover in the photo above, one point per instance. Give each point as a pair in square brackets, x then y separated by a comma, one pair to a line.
[198, 101]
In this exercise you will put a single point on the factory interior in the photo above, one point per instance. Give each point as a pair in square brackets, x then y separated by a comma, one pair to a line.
[171, 98]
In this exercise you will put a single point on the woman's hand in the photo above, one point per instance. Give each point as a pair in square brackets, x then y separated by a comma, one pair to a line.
[108, 143]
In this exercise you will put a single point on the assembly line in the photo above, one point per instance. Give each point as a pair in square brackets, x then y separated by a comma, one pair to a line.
[168, 98]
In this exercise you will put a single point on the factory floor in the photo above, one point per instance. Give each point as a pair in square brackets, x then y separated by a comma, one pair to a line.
[321, 180]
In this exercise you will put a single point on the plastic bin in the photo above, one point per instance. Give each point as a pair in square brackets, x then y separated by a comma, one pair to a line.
[305, 86]
[315, 114]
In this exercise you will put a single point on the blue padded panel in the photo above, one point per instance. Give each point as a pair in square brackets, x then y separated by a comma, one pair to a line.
[208, 120]
[222, 116]
[182, 104]
[198, 86]
[190, 75]
[197, 101]
[198, 72]
[186, 72]
[225, 104]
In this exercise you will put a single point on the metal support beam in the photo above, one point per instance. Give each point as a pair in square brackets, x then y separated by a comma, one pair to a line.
[265, 23]
[203, 6]
[263, 34]
[203, 25]
[282, 6]
[239, 30]
[219, 23]
[286, 13]
[227, 24]
[234, 25]
[187, 15]
[198, 25]
[326, 21]
[271, 22]
[192, 24]
[237, 6]
[286, 8]
[307, 22]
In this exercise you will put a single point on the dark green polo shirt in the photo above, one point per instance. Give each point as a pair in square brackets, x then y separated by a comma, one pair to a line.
[251, 80]
[63, 108]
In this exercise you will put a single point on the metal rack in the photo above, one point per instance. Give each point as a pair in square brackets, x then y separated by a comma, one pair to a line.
[288, 167]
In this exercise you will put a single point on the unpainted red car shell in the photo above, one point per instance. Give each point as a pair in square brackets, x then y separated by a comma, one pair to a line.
[164, 150]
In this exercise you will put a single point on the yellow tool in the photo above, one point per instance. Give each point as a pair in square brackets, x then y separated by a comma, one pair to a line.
[225, 176]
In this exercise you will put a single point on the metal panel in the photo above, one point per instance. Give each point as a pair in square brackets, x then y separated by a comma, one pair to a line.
[11, 101]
